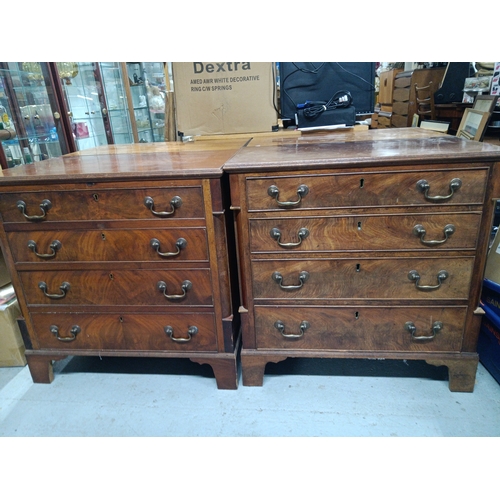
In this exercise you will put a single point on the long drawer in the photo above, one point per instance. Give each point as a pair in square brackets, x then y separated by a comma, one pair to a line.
[100, 204]
[389, 278]
[360, 328]
[189, 244]
[138, 287]
[141, 332]
[385, 232]
[363, 189]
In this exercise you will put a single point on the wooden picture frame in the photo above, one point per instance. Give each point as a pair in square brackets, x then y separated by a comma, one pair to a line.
[485, 103]
[473, 124]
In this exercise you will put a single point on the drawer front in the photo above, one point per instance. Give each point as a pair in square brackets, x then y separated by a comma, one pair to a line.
[399, 279]
[367, 189]
[391, 232]
[109, 245]
[360, 328]
[103, 204]
[401, 94]
[128, 332]
[168, 287]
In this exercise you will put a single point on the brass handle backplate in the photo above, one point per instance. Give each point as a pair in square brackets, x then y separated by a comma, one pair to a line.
[424, 187]
[280, 326]
[278, 278]
[54, 246]
[65, 286]
[75, 330]
[192, 330]
[45, 206]
[274, 192]
[415, 276]
[180, 244]
[186, 285]
[436, 328]
[276, 235]
[420, 232]
[175, 203]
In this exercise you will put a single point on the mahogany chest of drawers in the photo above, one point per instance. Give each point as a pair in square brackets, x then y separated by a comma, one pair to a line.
[123, 251]
[372, 248]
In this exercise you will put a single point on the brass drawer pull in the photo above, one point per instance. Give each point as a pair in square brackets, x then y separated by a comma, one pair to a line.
[75, 330]
[65, 286]
[278, 277]
[280, 326]
[192, 330]
[276, 235]
[420, 232]
[175, 202]
[45, 206]
[274, 192]
[414, 276]
[424, 187]
[180, 244]
[436, 328]
[185, 286]
[54, 246]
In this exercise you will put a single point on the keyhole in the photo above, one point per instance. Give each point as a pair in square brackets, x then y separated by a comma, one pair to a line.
[95, 196]
[361, 183]
[111, 276]
[359, 226]
[120, 319]
[103, 236]
[358, 268]
[356, 315]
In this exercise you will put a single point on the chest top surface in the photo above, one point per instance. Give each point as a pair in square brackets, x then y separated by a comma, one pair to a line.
[129, 162]
[370, 148]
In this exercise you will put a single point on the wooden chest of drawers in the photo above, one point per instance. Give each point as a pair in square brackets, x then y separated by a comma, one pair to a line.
[373, 248]
[123, 251]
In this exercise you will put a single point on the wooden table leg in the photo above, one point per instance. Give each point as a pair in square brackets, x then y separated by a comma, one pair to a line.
[461, 372]
[225, 370]
[40, 368]
[253, 367]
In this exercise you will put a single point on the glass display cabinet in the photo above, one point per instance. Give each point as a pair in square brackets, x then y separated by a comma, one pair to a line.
[116, 99]
[146, 91]
[97, 102]
[32, 126]
[84, 98]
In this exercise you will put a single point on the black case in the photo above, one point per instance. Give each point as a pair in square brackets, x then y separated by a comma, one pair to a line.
[316, 81]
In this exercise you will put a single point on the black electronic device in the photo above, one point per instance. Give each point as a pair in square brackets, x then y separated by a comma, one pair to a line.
[302, 82]
[452, 84]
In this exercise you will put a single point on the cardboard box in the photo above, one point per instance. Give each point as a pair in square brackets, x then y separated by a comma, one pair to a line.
[488, 345]
[492, 269]
[4, 273]
[224, 98]
[11, 343]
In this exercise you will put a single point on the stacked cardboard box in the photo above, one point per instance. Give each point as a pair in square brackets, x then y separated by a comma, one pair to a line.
[11, 342]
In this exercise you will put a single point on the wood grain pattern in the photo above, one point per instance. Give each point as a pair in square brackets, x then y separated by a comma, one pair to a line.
[84, 245]
[365, 189]
[359, 327]
[361, 278]
[365, 233]
[119, 287]
[103, 204]
[127, 331]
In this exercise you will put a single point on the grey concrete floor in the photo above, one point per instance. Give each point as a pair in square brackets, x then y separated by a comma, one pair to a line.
[151, 428]
[121, 397]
